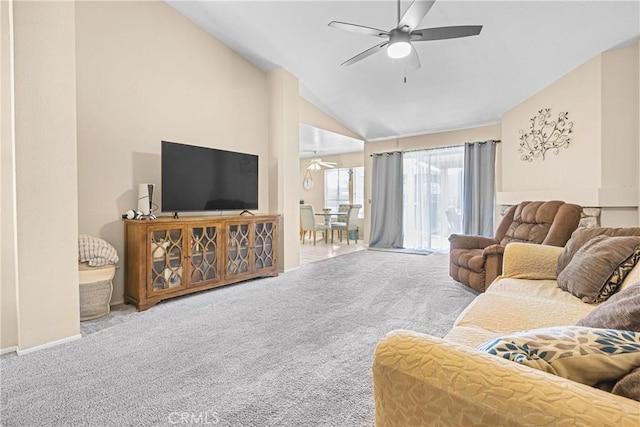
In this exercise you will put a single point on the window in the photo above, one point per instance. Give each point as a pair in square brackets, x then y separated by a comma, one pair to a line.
[336, 187]
[358, 188]
[343, 186]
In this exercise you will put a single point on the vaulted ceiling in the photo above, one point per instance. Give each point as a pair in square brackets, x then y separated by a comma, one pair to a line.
[465, 82]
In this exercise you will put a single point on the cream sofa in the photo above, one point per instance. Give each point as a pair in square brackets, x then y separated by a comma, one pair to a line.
[420, 380]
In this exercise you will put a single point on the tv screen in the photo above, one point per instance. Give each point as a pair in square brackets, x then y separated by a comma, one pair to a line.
[207, 179]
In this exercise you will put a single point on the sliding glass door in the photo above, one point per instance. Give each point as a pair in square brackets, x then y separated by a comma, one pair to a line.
[432, 197]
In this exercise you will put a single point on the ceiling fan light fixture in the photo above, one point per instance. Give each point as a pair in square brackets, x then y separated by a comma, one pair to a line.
[399, 46]
[399, 50]
[399, 40]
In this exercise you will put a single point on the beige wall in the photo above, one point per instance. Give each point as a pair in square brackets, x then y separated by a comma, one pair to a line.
[619, 184]
[443, 139]
[283, 165]
[313, 116]
[145, 73]
[572, 170]
[8, 290]
[619, 118]
[600, 166]
[46, 172]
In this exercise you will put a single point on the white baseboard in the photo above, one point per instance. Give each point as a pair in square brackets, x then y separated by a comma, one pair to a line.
[117, 302]
[47, 345]
[288, 270]
[8, 350]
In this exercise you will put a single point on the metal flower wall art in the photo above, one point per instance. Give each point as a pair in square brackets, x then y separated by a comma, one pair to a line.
[544, 135]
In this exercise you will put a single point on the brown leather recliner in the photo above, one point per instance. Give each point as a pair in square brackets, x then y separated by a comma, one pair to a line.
[477, 260]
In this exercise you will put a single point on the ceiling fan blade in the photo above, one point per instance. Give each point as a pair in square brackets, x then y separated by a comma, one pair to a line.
[327, 164]
[442, 33]
[360, 29]
[365, 54]
[412, 61]
[415, 13]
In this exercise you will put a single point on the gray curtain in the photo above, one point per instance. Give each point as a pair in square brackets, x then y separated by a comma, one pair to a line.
[386, 201]
[479, 188]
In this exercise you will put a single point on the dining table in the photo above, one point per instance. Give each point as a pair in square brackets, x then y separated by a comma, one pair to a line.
[327, 216]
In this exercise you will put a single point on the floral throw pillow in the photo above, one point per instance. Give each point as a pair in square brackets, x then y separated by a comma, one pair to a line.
[585, 355]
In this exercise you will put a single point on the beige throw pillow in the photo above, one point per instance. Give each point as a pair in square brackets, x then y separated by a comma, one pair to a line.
[599, 267]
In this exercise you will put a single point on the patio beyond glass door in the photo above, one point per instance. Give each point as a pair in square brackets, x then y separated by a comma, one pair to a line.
[432, 197]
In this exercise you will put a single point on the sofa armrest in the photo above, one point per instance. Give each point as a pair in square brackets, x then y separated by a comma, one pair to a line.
[420, 380]
[463, 241]
[531, 261]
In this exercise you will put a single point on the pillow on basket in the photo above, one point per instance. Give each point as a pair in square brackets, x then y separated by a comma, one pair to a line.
[621, 311]
[585, 355]
[599, 267]
[96, 251]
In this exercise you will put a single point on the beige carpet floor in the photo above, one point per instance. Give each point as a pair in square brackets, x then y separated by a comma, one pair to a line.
[294, 350]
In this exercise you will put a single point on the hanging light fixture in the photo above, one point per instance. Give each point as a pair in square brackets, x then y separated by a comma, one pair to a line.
[399, 46]
[317, 164]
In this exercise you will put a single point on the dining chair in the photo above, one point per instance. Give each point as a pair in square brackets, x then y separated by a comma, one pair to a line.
[308, 223]
[340, 220]
[351, 224]
[343, 213]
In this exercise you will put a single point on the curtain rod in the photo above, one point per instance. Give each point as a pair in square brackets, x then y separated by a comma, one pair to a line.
[497, 141]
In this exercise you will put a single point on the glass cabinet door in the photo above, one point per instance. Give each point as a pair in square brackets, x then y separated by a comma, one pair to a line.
[237, 249]
[263, 245]
[204, 254]
[167, 254]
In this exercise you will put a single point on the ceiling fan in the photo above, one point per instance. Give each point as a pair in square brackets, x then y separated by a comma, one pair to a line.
[317, 163]
[398, 40]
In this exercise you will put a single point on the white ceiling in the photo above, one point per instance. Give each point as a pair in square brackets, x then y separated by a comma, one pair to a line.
[523, 47]
[316, 142]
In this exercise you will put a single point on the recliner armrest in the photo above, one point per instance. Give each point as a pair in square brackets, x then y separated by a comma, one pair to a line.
[464, 241]
[496, 249]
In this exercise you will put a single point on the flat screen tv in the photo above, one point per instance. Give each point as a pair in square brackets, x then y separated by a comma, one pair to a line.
[207, 179]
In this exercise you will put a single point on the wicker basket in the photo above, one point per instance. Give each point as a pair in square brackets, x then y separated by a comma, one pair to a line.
[95, 290]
